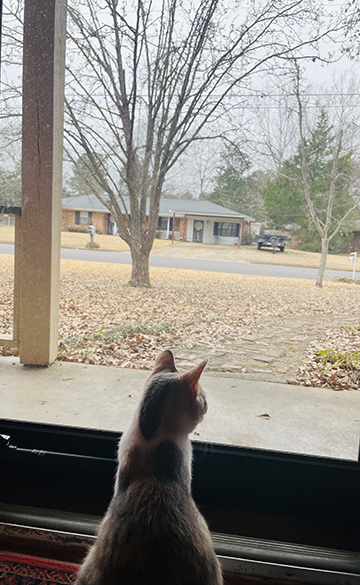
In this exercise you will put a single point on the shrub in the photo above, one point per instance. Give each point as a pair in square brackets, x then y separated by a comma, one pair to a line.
[80, 230]
[348, 360]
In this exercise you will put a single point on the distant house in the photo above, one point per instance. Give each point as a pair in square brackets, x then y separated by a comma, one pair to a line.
[193, 220]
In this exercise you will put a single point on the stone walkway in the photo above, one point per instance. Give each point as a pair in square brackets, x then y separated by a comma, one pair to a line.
[273, 353]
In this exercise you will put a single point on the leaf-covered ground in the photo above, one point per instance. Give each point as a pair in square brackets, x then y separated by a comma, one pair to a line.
[103, 321]
[333, 360]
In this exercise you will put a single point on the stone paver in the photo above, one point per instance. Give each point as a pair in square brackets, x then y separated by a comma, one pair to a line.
[272, 353]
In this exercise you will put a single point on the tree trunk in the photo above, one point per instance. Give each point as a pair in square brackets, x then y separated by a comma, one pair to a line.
[140, 266]
[324, 253]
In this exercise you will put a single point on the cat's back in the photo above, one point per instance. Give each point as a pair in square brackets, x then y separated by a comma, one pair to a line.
[152, 534]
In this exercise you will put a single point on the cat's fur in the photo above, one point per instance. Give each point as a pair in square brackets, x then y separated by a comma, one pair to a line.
[153, 533]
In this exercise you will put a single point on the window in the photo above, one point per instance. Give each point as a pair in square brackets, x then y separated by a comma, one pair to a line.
[259, 493]
[83, 217]
[163, 223]
[226, 229]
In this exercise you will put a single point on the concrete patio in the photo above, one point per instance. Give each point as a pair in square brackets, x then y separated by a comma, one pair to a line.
[280, 417]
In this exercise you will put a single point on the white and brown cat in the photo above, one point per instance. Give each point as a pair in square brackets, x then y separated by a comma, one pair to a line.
[153, 533]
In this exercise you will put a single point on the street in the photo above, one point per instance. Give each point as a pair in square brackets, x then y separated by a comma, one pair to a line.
[229, 267]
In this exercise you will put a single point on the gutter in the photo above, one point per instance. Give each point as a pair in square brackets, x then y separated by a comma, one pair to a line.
[201, 214]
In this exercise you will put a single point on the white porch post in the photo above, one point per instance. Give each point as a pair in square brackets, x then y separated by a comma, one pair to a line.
[168, 228]
[42, 144]
[241, 228]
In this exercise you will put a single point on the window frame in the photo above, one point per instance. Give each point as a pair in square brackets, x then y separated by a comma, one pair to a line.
[226, 232]
[233, 480]
[80, 218]
[36, 464]
[163, 223]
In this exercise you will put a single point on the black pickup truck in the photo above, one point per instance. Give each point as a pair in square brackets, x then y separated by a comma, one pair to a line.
[272, 241]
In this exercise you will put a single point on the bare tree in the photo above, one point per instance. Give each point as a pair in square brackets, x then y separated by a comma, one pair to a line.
[351, 17]
[10, 104]
[327, 223]
[147, 80]
[272, 126]
[11, 73]
[195, 170]
[320, 163]
[149, 84]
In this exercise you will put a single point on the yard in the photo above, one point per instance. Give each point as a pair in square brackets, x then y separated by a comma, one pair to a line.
[247, 326]
[79, 240]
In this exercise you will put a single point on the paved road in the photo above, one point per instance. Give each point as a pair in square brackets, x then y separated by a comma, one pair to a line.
[229, 267]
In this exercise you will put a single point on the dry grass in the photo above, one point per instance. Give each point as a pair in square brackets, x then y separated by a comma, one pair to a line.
[78, 241]
[292, 257]
[252, 255]
[106, 242]
[6, 234]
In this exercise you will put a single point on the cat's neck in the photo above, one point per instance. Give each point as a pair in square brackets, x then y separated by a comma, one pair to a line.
[140, 457]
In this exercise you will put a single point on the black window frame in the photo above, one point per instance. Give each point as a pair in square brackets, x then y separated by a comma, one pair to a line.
[234, 481]
[226, 229]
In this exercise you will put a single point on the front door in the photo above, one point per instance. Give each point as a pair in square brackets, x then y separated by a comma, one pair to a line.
[198, 230]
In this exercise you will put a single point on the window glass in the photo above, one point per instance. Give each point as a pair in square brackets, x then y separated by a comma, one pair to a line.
[243, 324]
[226, 229]
[83, 217]
[162, 223]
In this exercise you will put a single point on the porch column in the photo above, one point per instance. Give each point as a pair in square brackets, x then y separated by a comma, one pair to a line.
[42, 154]
[241, 230]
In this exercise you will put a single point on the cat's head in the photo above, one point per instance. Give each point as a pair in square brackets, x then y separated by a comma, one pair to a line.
[173, 403]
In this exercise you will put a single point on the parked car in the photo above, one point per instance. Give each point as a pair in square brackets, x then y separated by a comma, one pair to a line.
[272, 241]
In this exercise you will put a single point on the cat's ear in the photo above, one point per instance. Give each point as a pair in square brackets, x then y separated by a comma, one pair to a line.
[191, 378]
[164, 363]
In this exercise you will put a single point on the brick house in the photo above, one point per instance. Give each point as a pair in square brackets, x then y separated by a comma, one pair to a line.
[83, 211]
[193, 220]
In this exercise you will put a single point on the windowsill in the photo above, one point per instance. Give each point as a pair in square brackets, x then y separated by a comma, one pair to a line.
[309, 421]
[237, 555]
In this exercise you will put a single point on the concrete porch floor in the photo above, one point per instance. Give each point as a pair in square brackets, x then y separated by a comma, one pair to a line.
[311, 421]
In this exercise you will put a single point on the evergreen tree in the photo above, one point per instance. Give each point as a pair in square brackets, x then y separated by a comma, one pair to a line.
[230, 181]
[284, 196]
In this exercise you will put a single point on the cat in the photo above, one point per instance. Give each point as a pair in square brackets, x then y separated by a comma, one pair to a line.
[153, 533]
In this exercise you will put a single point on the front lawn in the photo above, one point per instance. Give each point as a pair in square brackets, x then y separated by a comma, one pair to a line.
[102, 321]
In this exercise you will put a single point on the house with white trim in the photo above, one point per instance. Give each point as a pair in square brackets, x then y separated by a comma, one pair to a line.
[188, 220]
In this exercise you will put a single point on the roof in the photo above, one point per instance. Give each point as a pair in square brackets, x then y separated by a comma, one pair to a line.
[167, 207]
[83, 203]
[197, 207]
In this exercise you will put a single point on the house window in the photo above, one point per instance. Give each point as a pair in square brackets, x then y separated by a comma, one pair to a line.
[226, 229]
[163, 224]
[83, 217]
